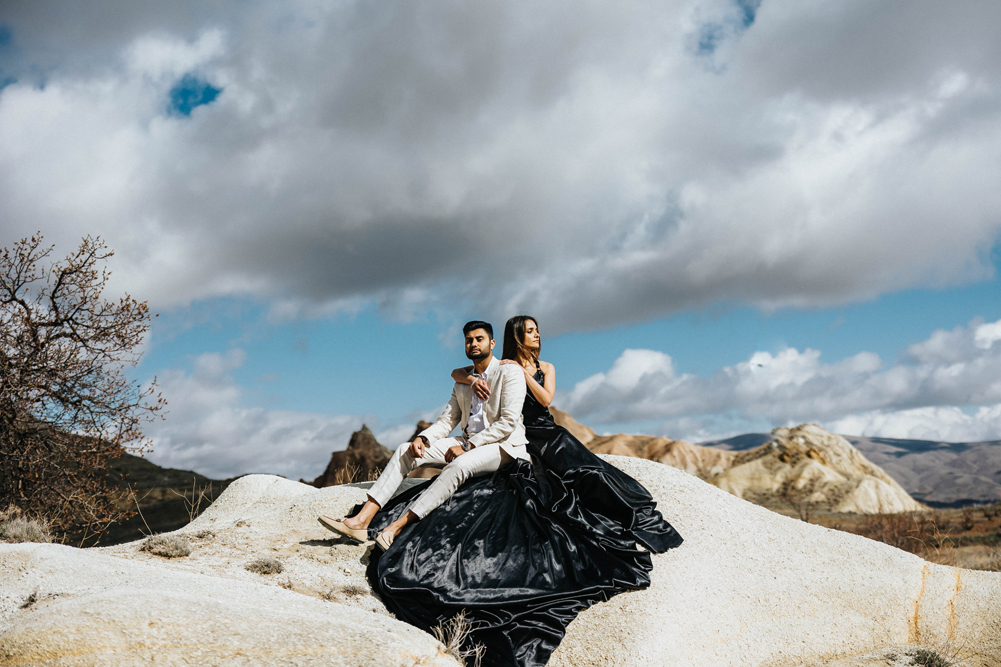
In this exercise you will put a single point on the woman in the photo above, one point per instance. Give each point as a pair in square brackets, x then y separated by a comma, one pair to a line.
[524, 550]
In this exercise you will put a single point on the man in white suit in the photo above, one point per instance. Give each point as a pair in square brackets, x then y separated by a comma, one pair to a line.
[493, 433]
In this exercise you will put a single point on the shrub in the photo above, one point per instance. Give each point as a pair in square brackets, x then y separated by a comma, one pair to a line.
[168, 546]
[345, 592]
[266, 565]
[20, 529]
[454, 634]
[927, 658]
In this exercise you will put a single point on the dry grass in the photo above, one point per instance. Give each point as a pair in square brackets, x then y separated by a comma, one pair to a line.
[924, 657]
[265, 565]
[15, 526]
[980, 648]
[347, 474]
[193, 501]
[168, 546]
[453, 633]
[21, 529]
[344, 593]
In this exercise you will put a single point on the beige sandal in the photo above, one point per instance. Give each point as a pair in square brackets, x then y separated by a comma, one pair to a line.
[384, 540]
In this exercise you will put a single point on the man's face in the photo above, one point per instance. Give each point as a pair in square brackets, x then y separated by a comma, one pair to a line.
[478, 344]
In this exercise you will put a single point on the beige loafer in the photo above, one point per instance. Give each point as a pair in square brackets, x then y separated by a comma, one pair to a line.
[338, 526]
[384, 540]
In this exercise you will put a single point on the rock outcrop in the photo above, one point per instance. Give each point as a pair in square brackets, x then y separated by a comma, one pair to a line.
[803, 465]
[362, 460]
[819, 467]
[747, 588]
[704, 462]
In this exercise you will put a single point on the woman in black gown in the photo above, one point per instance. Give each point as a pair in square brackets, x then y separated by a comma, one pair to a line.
[524, 550]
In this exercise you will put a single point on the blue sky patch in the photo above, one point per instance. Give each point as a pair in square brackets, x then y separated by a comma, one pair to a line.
[712, 35]
[191, 92]
[749, 9]
[6, 36]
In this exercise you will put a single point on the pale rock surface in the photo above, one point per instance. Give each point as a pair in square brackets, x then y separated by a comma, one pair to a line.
[751, 587]
[120, 606]
[747, 588]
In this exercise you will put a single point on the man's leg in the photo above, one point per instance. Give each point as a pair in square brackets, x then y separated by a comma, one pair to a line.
[396, 471]
[479, 461]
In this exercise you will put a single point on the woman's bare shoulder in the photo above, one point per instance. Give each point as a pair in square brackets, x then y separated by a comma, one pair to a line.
[546, 367]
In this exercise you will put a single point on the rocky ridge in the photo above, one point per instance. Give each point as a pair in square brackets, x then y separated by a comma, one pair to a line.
[362, 460]
[805, 464]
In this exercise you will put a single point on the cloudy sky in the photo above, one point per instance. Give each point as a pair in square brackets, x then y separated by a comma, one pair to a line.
[727, 215]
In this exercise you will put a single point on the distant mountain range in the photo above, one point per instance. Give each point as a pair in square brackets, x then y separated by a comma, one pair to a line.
[938, 474]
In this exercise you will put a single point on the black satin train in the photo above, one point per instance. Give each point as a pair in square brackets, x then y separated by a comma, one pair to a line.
[523, 550]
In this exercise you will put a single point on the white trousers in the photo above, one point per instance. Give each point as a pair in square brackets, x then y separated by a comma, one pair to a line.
[477, 461]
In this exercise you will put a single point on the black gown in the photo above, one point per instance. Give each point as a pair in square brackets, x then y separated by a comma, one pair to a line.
[522, 550]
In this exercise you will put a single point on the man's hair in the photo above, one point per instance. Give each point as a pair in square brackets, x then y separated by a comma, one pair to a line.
[478, 324]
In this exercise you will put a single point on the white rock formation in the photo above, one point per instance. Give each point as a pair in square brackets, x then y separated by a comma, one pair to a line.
[748, 587]
[827, 467]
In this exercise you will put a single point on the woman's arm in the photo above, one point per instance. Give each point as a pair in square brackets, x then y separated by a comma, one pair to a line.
[465, 376]
[543, 392]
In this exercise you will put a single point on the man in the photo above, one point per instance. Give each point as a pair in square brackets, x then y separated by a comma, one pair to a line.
[492, 434]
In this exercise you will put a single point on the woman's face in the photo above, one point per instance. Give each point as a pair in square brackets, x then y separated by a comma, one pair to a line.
[533, 339]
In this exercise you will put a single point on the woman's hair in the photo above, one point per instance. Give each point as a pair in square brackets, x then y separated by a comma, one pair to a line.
[514, 339]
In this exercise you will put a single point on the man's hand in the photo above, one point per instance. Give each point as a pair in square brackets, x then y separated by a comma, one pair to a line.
[481, 388]
[453, 452]
[417, 447]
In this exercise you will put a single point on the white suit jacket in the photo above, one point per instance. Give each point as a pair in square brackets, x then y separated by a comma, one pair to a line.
[502, 411]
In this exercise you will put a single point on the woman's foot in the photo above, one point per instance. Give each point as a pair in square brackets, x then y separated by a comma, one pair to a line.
[393, 529]
[384, 539]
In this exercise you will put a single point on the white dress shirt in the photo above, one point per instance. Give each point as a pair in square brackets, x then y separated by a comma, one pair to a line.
[477, 418]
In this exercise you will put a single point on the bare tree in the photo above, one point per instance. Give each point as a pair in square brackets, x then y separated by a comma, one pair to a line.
[66, 406]
[800, 498]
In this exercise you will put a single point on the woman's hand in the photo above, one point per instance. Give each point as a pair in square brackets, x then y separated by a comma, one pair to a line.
[505, 362]
[529, 372]
[481, 388]
[478, 385]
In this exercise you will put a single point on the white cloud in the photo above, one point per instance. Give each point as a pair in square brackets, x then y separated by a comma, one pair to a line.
[946, 424]
[986, 335]
[592, 164]
[947, 387]
[208, 429]
[158, 56]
